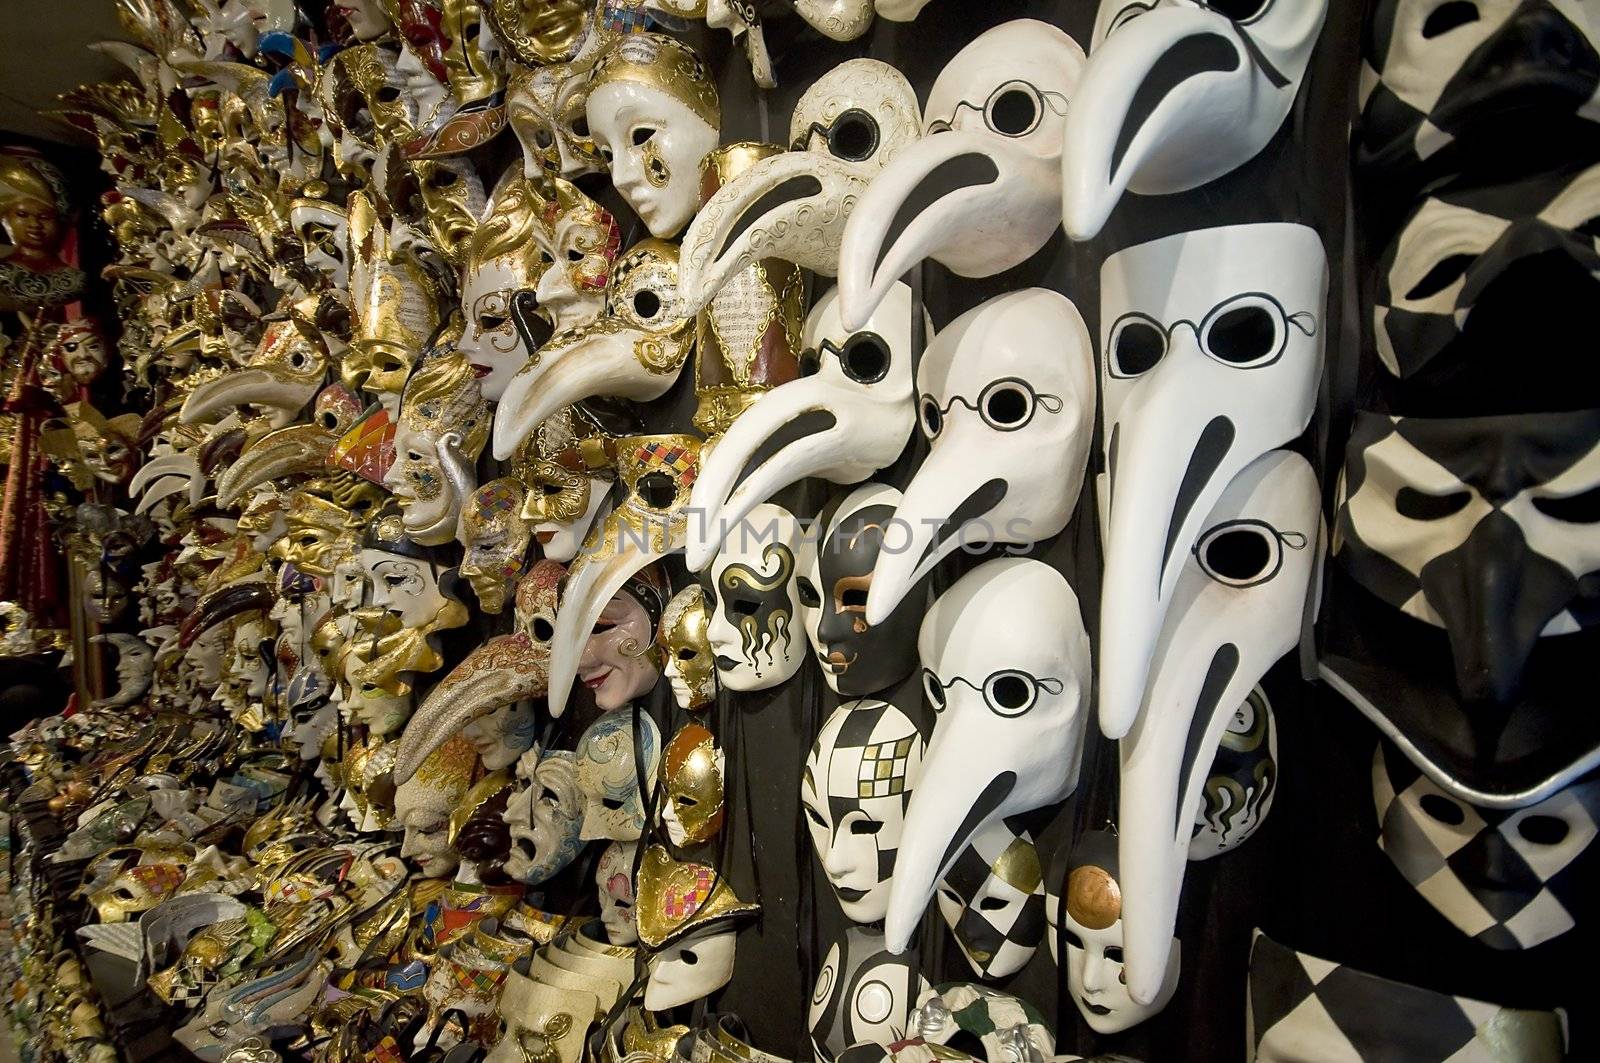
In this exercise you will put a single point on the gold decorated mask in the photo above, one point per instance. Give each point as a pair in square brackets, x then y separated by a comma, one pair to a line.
[312, 539]
[496, 536]
[452, 196]
[539, 32]
[546, 108]
[444, 424]
[659, 472]
[587, 241]
[664, 64]
[677, 898]
[474, 73]
[690, 662]
[691, 775]
[396, 308]
[136, 890]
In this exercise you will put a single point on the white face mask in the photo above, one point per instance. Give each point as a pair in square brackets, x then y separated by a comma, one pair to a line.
[489, 338]
[1176, 94]
[979, 192]
[655, 143]
[1005, 663]
[405, 586]
[1241, 602]
[863, 995]
[1006, 383]
[794, 206]
[687, 970]
[753, 608]
[609, 777]
[839, 20]
[503, 735]
[324, 232]
[613, 879]
[1212, 348]
[855, 836]
[992, 899]
[846, 420]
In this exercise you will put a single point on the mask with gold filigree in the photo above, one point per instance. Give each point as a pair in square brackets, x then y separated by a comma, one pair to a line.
[547, 109]
[423, 804]
[587, 240]
[691, 776]
[396, 309]
[282, 375]
[686, 650]
[496, 537]
[509, 252]
[444, 424]
[453, 200]
[686, 912]
[540, 33]
[136, 890]
[569, 465]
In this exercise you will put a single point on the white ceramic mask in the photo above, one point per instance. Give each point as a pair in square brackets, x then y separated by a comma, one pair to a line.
[794, 206]
[503, 735]
[609, 777]
[1242, 782]
[1239, 605]
[979, 192]
[1176, 94]
[992, 899]
[1005, 663]
[753, 608]
[691, 968]
[544, 817]
[863, 995]
[1211, 348]
[839, 20]
[857, 780]
[613, 879]
[1006, 399]
[406, 586]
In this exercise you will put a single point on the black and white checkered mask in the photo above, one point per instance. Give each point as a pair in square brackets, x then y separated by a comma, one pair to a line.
[1507, 878]
[992, 898]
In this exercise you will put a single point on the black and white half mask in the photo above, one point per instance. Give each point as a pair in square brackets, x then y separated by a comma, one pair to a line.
[979, 192]
[1450, 87]
[1243, 780]
[864, 994]
[1178, 93]
[753, 609]
[992, 899]
[1211, 348]
[1511, 880]
[1239, 605]
[1005, 664]
[1005, 396]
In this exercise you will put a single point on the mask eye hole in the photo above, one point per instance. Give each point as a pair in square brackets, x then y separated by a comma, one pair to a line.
[1542, 830]
[1240, 553]
[933, 689]
[808, 593]
[1449, 16]
[657, 490]
[1013, 111]
[932, 419]
[816, 818]
[1442, 809]
[853, 136]
[1418, 505]
[992, 904]
[865, 358]
[642, 134]
[580, 127]
[1445, 272]
[686, 654]
[543, 138]
[542, 629]
[1574, 509]
[1137, 345]
[1010, 693]
[646, 304]
[1007, 406]
[1244, 332]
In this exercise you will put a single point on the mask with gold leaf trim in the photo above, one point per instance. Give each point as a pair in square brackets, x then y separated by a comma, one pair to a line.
[992, 898]
[540, 33]
[453, 200]
[587, 241]
[423, 804]
[396, 309]
[475, 112]
[569, 474]
[301, 449]
[686, 912]
[496, 537]
[546, 106]
[686, 650]
[444, 424]
[544, 1023]
[607, 760]
[691, 775]
[509, 252]
[323, 229]
[314, 525]
[136, 890]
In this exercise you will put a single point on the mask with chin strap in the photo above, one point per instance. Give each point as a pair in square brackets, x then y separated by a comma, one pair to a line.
[1006, 399]
[979, 193]
[1178, 93]
[850, 414]
[1212, 348]
[1005, 664]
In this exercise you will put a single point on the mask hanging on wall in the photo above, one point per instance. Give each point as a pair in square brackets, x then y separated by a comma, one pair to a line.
[496, 538]
[609, 778]
[423, 803]
[570, 471]
[613, 878]
[545, 817]
[546, 106]
[506, 255]
[443, 426]
[992, 899]
[691, 781]
[619, 660]
[689, 661]
[753, 607]
[1238, 792]
[863, 994]
[686, 912]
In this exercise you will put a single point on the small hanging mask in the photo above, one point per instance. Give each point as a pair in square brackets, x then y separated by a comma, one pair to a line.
[613, 879]
[863, 994]
[686, 650]
[423, 803]
[1243, 780]
[691, 778]
[980, 192]
[753, 606]
[545, 817]
[1006, 382]
[569, 477]
[1177, 94]
[992, 899]
[546, 106]
[609, 776]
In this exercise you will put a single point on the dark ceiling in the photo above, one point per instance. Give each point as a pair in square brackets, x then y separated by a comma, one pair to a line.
[44, 51]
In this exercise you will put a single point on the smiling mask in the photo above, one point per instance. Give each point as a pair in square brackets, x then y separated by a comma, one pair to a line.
[979, 192]
[1177, 94]
[753, 606]
[619, 661]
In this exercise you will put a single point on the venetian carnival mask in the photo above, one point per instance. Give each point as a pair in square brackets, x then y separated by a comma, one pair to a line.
[1508, 879]
[547, 109]
[980, 192]
[367, 19]
[691, 781]
[840, 20]
[1089, 921]
[545, 1023]
[686, 912]
[501, 736]
[1242, 782]
[1005, 664]
[423, 803]
[753, 605]
[586, 241]
[1242, 600]
[613, 879]
[324, 232]
[569, 480]
[404, 578]
[863, 995]
[1002, 384]
[619, 662]
[609, 768]
[992, 899]
[794, 206]
[1177, 94]
[686, 650]
[858, 778]
[545, 816]
[654, 113]
[508, 253]
[396, 309]
[496, 537]
[444, 424]
[850, 414]
[1212, 349]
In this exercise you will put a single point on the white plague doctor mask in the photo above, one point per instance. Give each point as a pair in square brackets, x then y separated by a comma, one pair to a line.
[1212, 347]
[979, 192]
[1005, 664]
[1240, 604]
[850, 414]
[1178, 93]
[1005, 395]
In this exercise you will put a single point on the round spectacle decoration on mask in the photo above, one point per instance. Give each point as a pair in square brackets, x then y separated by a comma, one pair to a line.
[613, 878]
[992, 899]
[858, 778]
[863, 995]
[685, 913]
[753, 605]
[1177, 95]
[1242, 782]
[1508, 879]
[851, 414]
[980, 192]
[686, 650]
[545, 817]
[1004, 383]
[691, 780]
[609, 776]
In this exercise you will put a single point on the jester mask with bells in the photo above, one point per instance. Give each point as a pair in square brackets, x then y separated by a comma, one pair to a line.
[1241, 602]
[634, 351]
[545, 816]
[754, 609]
[508, 253]
[658, 472]
[572, 467]
[293, 449]
[496, 538]
[396, 309]
[983, 195]
[992, 899]
[688, 660]
[846, 128]
[423, 803]
[864, 995]
[850, 414]
[1242, 782]
[1177, 94]
[493, 678]
[686, 916]
[654, 113]
[1472, 543]
[1006, 382]
[1005, 664]
[444, 424]
[1211, 351]
[609, 763]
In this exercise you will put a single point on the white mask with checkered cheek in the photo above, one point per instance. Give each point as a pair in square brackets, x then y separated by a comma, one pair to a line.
[862, 769]
[992, 900]
[1505, 878]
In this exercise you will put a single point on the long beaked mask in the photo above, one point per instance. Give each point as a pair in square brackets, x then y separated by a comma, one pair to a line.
[838, 20]
[1005, 663]
[979, 193]
[1239, 605]
[609, 776]
[444, 424]
[992, 899]
[1506, 879]
[545, 818]
[295, 448]
[863, 995]
[634, 351]
[754, 608]
[1212, 345]
[1006, 382]
[794, 206]
[850, 414]
[686, 651]
[1177, 94]
[282, 375]
[1242, 782]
